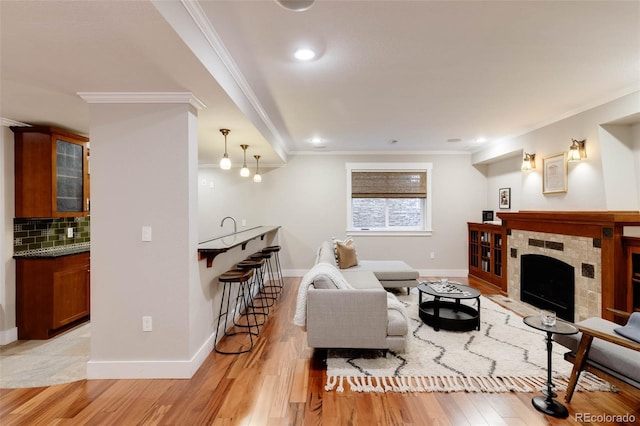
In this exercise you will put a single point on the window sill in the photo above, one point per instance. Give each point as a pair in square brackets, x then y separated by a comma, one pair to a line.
[362, 233]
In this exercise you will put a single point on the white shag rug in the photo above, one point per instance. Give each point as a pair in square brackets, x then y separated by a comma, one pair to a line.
[505, 355]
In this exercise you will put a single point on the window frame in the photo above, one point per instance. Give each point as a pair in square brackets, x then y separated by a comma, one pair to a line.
[391, 167]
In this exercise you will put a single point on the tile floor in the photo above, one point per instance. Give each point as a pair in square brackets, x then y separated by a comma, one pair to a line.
[34, 363]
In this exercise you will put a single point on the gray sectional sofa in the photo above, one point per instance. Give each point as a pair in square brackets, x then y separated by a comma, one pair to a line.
[360, 314]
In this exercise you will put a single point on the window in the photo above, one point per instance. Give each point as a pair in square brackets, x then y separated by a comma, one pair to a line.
[389, 197]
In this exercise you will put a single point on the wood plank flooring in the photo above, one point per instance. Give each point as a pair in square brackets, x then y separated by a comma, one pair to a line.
[281, 382]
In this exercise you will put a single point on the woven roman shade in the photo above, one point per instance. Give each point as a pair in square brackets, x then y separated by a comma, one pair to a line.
[388, 184]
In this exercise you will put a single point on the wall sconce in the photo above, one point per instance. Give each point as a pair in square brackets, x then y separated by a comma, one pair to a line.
[257, 178]
[225, 163]
[244, 171]
[577, 151]
[529, 161]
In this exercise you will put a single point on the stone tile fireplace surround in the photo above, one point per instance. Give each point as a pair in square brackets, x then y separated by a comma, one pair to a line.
[591, 242]
[579, 252]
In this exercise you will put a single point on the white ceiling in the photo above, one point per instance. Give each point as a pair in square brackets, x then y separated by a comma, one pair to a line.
[419, 72]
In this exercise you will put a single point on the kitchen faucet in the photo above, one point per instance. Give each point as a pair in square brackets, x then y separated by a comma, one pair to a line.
[235, 225]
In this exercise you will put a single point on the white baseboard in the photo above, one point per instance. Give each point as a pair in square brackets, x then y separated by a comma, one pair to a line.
[159, 369]
[423, 272]
[8, 336]
[450, 273]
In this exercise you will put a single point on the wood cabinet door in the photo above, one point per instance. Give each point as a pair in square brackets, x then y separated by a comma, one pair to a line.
[70, 296]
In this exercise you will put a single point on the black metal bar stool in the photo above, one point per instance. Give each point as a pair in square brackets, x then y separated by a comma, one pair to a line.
[258, 299]
[271, 290]
[275, 250]
[241, 306]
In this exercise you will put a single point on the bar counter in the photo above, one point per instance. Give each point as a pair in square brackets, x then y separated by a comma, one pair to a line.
[211, 248]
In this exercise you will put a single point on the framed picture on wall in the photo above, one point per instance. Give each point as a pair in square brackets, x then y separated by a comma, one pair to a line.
[504, 198]
[554, 173]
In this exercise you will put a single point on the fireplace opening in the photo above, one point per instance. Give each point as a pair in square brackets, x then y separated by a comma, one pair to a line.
[548, 283]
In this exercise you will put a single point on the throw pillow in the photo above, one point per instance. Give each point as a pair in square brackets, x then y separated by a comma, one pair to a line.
[632, 329]
[346, 253]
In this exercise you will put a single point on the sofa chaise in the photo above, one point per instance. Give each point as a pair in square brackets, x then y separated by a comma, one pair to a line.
[390, 273]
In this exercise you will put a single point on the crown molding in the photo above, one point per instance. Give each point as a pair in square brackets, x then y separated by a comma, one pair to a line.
[142, 98]
[7, 122]
[208, 31]
[190, 22]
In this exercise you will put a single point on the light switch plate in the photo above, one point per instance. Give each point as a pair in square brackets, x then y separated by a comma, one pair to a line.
[146, 233]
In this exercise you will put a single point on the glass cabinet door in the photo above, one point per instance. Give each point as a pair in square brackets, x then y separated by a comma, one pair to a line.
[70, 177]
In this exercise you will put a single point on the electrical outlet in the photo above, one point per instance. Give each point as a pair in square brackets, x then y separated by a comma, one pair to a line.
[433, 254]
[244, 222]
[147, 324]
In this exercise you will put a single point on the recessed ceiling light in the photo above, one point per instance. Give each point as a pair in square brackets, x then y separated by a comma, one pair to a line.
[304, 54]
[296, 5]
[481, 139]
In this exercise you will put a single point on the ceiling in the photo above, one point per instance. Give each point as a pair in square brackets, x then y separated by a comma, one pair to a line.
[420, 73]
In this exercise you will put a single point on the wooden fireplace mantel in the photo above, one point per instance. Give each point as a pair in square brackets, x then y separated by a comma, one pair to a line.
[595, 224]
[605, 227]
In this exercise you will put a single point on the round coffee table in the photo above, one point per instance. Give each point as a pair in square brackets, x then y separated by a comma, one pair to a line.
[449, 314]
[546, 404]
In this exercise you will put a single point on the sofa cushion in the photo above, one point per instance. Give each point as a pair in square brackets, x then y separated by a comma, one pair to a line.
[617, 358]
[632, 329]
[346, 254]
[361, 279]
[388, 270]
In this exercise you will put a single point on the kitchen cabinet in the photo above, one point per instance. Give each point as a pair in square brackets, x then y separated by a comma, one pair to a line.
[52, 294]
[51, 173]
[488, 253]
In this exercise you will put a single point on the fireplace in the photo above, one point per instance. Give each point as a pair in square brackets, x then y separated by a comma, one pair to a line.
[589, 241]
[548, 283]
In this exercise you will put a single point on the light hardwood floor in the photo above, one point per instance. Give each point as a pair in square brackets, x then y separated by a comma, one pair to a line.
[281, 383]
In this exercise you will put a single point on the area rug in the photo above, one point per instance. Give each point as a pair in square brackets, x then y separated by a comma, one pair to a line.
[504, 356]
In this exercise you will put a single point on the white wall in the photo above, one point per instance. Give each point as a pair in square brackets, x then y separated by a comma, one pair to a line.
[8, 331]
[231, 195]
[144, 173]
[505, 173]
[619, 167]
[635, 146]
[307, 197]
[590, 185]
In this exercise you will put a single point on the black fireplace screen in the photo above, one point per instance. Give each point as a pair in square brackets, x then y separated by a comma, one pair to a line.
[548, 283]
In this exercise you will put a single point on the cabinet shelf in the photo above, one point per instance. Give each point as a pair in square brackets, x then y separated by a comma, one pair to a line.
[632, 254]
[487, 255]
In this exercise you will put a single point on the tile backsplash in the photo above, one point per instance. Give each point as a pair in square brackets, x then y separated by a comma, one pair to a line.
[37, 234]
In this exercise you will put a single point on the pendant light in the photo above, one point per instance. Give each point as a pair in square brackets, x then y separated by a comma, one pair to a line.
[244, 172]
[225, 163]
[257, 178]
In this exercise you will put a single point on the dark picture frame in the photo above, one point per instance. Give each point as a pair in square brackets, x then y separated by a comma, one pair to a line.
[504, 198]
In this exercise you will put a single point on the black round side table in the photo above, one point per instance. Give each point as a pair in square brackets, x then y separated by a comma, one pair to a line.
[547, 404]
